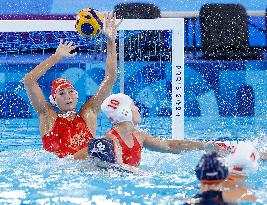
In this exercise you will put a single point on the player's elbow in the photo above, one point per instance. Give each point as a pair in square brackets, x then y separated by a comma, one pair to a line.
[28, 80]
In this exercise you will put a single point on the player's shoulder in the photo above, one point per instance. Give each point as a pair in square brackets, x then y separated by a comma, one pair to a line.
[140, 133]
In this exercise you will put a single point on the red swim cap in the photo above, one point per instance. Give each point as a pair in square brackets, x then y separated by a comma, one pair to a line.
[60, 83]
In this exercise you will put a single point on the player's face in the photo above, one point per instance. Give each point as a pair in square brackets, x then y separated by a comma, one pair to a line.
[136, 114]
[66, 99]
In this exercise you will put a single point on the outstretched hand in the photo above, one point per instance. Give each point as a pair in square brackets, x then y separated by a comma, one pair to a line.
[216, 147]
[64, 49]
[110, 27]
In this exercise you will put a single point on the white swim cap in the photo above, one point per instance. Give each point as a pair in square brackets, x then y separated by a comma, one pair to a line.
[117, 107]
[244, 159]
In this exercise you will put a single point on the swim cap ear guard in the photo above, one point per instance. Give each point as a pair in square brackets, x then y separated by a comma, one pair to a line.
[117, 107]
[243, 159]
[52, 100]
[211, 169]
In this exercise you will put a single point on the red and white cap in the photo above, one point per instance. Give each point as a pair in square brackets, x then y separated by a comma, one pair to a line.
[243, 159]
[58, 84]
[117, 107]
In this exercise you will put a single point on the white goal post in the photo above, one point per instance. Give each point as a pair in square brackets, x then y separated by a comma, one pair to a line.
[175, 25]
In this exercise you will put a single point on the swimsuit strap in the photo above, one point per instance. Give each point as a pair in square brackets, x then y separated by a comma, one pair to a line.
[117, 135]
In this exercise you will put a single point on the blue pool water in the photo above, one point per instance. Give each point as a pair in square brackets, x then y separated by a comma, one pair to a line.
[29, 175]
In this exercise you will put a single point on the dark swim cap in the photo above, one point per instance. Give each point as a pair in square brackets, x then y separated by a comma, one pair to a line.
[211, 169]
[102, 149]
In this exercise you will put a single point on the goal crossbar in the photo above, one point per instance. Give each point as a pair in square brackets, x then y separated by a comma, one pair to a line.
[175, 25]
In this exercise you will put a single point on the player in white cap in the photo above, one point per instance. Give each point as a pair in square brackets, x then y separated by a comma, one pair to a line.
[129, 140]
[242, 162]
[212, 171]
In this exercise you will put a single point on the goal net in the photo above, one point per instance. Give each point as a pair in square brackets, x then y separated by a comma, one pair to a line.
[151, 65]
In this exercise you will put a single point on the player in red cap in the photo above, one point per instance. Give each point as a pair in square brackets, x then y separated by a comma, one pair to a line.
[67, 132]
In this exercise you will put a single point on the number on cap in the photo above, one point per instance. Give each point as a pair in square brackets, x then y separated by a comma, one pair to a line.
[114, 104]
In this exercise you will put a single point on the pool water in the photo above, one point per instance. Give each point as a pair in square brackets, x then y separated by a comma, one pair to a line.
[29, 175]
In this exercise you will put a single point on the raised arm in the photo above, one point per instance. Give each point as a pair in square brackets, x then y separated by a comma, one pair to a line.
[110, 31]
[32, 87]
[239, 194]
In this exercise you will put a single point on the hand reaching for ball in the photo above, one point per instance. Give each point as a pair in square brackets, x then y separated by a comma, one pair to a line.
[110, 27]
[64, 49]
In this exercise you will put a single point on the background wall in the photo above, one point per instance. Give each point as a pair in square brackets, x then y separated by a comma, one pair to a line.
[73, 6]
[211, 89]
[218, 88]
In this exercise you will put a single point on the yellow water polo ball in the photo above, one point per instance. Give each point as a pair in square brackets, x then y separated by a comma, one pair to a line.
[89, 22]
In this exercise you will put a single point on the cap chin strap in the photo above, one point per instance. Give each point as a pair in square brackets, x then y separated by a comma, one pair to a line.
[67, 114]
